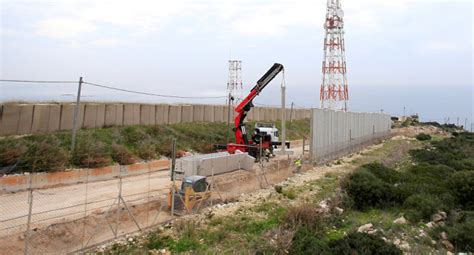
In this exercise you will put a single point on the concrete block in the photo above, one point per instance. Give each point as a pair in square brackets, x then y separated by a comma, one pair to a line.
[67, 116]
[198, 113]
[54, 117]
[131, 114]
[263, 114]
[219, 113]
[174, 114]
[9, 119]
[256, 114]
[100, 120]
[186, 113]
[26, 119]
[90, 116]
[209, 113]
[147, 114]
[161, 115]
[41, 119]
[113, 115]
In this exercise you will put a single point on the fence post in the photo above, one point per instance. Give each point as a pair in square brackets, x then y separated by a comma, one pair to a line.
[30, 210]
[76, 113]
[228, 116]
[173, 167]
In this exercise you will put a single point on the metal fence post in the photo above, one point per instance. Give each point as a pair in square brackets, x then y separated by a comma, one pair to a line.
[30, 210]
[76, 113]
[173, 167]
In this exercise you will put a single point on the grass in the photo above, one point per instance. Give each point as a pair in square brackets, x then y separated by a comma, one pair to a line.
[122, 145]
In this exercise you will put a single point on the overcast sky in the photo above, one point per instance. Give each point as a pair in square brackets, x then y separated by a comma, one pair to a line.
[412, 53]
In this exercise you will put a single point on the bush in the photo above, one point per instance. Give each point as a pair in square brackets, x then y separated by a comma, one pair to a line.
[304, 215]
[366, 190]
[382, 172]
[461, 236]
[422, 206]
[45, 155]
[122, 155]
[462, 188]
[146, 150]
[306, 242]
[361, 243]
[423, 137]
[91, 153]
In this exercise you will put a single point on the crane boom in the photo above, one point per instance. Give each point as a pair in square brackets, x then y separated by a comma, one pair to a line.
[247, 104]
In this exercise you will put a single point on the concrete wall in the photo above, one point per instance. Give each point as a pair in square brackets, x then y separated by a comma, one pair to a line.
[18, 119]
[335, 133]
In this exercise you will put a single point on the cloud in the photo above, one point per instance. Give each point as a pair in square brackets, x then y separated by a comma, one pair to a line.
[64, 27]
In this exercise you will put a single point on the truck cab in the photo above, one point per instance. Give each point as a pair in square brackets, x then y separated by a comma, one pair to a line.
[268, 129]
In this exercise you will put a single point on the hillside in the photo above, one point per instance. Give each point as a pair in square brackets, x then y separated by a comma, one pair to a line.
[404, 195]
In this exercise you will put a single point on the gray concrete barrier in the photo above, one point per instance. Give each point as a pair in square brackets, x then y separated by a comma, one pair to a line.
[18, 119]
[335, 133]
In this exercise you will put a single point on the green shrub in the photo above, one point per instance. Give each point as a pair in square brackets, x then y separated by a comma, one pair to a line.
[45, 155]
[382, 172]
[122, 155]
[90, 153]
[461, 235]
[366, 190]
[421, 206]
[361, 243]
[462, 188]
[306, 242]
[423, 137]
[146, 150]
[155, 241]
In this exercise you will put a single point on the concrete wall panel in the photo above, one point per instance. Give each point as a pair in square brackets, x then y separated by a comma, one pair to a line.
[26, 119]
[46, 118]
[186, 113]
[90, 117]
[161, 114]
[219, 113]
[67, 116]
[131, 114]
[209, 113]
[113, 115]
[100, 120]
[174, 114]
[147, 114]
[198, 113]
[9, 119]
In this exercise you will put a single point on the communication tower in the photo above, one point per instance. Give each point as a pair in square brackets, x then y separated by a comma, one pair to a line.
[334, 92]
[234, 84]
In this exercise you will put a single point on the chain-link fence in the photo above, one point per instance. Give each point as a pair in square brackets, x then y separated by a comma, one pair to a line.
[73, 210]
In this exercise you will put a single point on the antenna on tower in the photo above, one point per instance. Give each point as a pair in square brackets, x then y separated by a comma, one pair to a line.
[334, 92]
[234, 84]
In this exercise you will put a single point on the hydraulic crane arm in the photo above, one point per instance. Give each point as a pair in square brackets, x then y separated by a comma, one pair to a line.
[247, 104]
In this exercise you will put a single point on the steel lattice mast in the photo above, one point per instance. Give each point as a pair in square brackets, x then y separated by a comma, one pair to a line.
[234, 84]
[334, 92]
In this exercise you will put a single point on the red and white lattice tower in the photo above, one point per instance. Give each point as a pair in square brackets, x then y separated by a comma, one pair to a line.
[234, 84]
[334, 89]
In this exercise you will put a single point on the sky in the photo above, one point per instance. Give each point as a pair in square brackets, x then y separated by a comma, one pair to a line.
[415, 55]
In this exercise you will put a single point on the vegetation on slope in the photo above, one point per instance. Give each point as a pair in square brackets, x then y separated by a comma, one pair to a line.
[123, 145]
[441, 179]
[324, 216]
